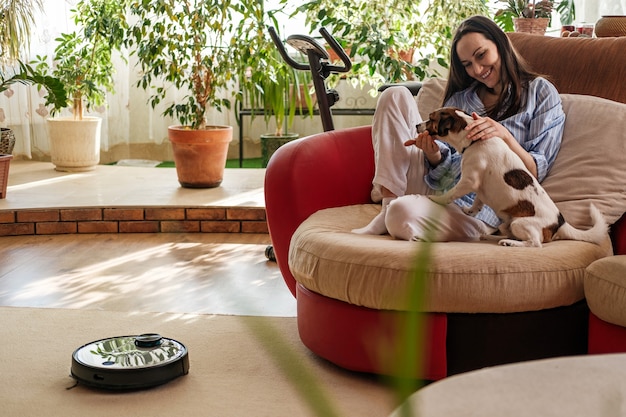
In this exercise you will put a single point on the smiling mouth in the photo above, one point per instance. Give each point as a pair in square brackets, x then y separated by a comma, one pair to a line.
[486, 75]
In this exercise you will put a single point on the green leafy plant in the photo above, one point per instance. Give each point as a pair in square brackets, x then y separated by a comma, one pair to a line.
[391, 41]
[403, 355]
[184, 45]
[265, 80]
[83, 59]
[16, 20]
[567, 11]
[56, 95]
[374, 34]
[512, 9]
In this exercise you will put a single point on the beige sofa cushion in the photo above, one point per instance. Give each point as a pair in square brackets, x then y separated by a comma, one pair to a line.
[605, 289]
[590, 165]
[374, 271]
[430, 96]
[588, 168]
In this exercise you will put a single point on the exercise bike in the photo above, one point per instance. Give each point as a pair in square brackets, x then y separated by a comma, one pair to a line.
[321, 68]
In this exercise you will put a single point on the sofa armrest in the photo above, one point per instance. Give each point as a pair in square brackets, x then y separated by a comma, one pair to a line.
[330, 169]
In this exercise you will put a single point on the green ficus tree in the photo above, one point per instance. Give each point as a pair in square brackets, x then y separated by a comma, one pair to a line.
[184, 45]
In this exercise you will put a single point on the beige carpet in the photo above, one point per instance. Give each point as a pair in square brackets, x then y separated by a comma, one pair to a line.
[231, 373]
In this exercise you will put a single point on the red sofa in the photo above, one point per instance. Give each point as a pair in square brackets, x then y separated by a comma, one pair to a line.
[334, 169]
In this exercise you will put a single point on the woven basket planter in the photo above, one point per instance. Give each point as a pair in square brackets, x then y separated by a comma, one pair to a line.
[5, 162]
[610, 26]
[536, 26]
[7, 141]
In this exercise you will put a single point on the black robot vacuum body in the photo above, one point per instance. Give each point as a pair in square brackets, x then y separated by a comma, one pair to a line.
[130, 362]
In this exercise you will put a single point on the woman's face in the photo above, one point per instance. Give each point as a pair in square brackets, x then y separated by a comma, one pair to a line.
[480, 58]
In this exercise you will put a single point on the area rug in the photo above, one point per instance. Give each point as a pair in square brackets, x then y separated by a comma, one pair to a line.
[232, 372]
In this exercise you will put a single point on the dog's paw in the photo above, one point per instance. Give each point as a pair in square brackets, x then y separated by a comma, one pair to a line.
[509, 242]
[520, 243]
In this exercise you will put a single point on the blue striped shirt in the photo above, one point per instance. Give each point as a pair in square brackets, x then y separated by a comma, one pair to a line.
[538, 127]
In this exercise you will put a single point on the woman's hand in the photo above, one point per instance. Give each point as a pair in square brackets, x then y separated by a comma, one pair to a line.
[485, 128]
[427, 144]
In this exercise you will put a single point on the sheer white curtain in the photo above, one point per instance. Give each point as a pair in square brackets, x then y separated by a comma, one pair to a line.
[22, 107]
[591, 10]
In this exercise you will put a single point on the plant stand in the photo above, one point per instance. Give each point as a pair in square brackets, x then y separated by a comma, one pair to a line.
[5, 162]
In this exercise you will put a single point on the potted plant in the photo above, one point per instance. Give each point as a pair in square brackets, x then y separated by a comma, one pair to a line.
[285, 93]
[533, 16]
[16, 19]
[391, 41]
[185, 45]
[268, 84]
[83, 61]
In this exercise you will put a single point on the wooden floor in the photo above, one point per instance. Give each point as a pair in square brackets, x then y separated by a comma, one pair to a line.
[211, 273]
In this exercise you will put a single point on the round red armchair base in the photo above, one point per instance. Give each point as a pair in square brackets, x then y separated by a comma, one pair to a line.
[359, 339]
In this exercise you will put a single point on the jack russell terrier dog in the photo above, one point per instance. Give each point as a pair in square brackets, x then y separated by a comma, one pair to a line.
[499, 178]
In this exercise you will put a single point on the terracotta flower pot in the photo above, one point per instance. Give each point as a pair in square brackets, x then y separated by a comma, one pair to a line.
[200, 155]
[536, 26]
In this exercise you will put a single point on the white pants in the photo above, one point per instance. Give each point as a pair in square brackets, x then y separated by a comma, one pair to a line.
[417, 217]
[401, 170]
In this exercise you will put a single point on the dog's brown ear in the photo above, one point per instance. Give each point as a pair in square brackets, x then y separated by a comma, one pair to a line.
[451, 121]
[446, 123]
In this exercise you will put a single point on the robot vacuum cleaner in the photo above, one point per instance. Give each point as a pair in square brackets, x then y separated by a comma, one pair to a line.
[130, 362]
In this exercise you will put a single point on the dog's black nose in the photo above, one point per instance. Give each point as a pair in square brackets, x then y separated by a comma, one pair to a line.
[421, 127]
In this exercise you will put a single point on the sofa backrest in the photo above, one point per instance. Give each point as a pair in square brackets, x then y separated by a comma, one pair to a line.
[591, 66]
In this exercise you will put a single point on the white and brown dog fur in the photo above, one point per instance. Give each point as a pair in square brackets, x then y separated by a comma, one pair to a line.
[499, 178]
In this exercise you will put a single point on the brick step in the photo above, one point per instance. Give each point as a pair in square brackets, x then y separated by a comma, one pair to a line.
[132, 220]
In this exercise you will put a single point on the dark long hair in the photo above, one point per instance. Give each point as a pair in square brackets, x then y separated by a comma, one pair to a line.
[515, 72]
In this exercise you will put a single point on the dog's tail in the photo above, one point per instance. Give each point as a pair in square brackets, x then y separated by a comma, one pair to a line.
[596, 234]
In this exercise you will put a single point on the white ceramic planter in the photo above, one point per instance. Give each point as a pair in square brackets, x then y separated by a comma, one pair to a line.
[74, 144]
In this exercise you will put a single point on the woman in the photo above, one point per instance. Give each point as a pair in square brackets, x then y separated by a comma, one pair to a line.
[488, 80]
